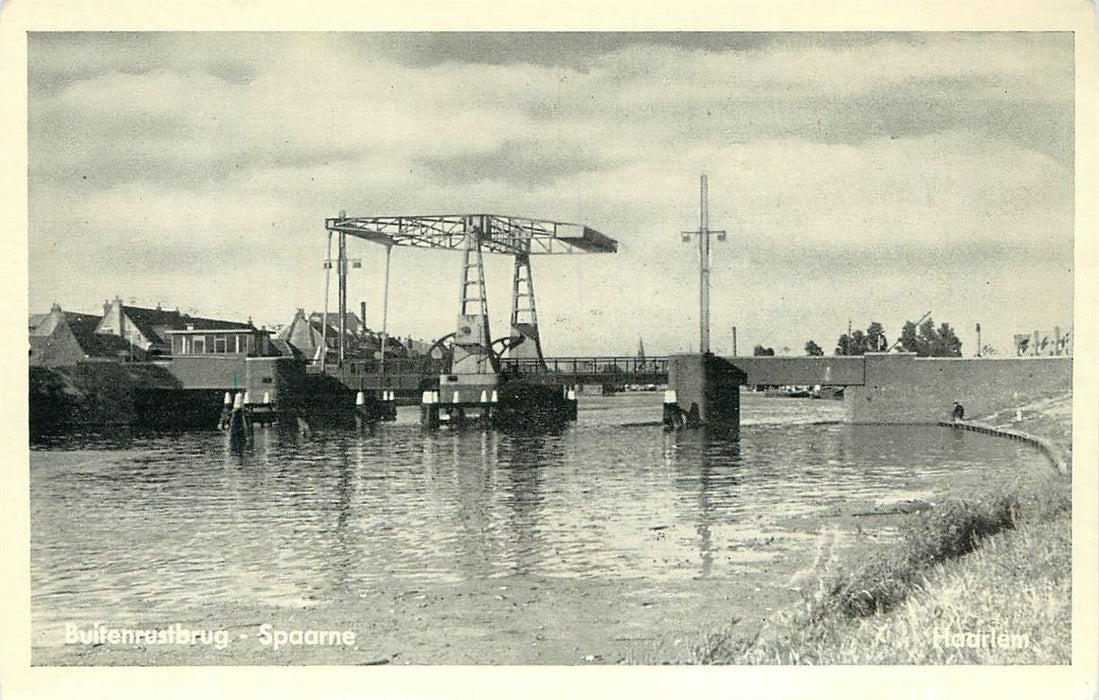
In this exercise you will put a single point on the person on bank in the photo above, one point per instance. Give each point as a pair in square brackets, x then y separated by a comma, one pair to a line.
[959, 412]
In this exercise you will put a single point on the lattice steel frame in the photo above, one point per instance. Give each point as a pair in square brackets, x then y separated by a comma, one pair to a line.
[511, 235]
[473, 233]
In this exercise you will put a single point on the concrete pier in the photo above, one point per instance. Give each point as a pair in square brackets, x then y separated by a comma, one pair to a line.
[707, 392]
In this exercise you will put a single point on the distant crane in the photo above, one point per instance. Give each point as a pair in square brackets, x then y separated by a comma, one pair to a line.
[922, 319]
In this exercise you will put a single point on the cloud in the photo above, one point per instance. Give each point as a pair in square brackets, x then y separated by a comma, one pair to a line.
[904, 158]
[58, 59]
[184, 120]
[530, 162]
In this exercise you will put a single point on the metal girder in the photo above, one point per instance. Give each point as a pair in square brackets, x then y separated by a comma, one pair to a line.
[497, 233]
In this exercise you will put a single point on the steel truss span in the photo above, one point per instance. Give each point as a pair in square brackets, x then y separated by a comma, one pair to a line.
[495, 233]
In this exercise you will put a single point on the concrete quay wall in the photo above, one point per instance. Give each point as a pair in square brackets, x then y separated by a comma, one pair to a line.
[901, 388]
[708, 387]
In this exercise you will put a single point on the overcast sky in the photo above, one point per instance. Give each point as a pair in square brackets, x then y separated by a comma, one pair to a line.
[859, 176]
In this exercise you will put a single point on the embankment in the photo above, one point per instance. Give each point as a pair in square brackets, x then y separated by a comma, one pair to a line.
[90, 394]
[93, 396]
[184, 394]
[985, 577]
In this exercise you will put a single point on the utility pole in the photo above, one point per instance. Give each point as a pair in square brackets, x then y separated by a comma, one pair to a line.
[704, 234]
[327, 286]
[341, 295]
[385, 312]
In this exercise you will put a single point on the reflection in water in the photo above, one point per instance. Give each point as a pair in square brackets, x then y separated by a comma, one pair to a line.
[473, 481]
[524, 461]
[706, 466]
[156, 523]
[343, 539]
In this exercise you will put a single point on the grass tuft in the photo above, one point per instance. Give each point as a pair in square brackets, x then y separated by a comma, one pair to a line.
[882, 580]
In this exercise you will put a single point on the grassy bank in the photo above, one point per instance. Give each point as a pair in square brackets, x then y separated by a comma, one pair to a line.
[984, 577]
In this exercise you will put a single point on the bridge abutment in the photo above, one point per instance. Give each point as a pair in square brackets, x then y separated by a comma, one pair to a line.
[707, 391]
[903, 388]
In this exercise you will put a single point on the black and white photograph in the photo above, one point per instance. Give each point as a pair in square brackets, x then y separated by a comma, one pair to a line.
[542, 346]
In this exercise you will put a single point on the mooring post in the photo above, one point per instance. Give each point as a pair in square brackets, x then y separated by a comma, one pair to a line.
[429, 410]
[673, 416]
[360, 411]
[226, 410]
[240, 428]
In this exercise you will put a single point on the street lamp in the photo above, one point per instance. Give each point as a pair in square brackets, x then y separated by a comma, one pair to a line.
[703, 234]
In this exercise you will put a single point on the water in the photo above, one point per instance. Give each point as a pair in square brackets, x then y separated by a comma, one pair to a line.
[159, 523]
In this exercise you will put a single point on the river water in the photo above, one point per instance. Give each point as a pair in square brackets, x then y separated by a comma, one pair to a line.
[159, 523]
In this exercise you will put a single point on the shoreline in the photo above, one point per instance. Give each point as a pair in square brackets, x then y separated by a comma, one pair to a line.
[1056, 455]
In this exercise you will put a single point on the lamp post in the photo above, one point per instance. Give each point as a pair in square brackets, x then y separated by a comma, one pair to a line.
[385, 312]
[704, 234]
[342, 263]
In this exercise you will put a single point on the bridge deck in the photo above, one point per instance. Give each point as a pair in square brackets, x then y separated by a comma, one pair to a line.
[831, 371]
[589, 370]
[415, 374]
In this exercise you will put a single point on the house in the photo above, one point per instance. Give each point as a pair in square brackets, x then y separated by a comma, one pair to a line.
[305, 336]
[160, 332]
[64, 338]
[352, 323]
[135, 333]
[203, 336]
[145, 328]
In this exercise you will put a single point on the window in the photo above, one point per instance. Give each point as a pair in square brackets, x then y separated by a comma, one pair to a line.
[198, 344]
[219, 344]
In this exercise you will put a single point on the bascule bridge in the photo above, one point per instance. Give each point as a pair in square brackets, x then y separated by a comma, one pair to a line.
[474, 369]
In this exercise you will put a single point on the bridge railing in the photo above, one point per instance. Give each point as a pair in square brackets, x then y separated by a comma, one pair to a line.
[612, 366]
[393, 365]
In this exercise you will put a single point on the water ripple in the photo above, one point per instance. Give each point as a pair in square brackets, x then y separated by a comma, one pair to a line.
[154, 523]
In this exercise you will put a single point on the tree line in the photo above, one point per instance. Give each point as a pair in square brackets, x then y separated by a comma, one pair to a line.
[925, 339]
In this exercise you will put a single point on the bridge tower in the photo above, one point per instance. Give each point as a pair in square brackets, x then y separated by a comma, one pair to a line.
[472, 338]
[525, 342]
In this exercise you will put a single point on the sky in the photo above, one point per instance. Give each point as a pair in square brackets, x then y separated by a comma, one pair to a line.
[859, 177]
